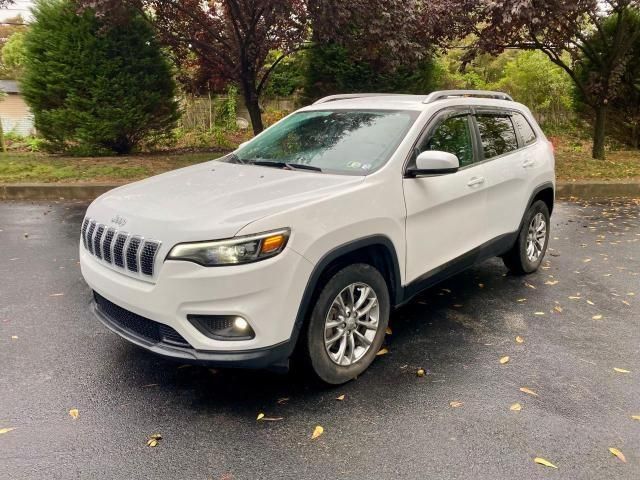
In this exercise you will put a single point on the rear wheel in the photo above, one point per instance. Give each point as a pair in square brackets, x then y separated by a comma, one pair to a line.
[347, 324]
[527, 253]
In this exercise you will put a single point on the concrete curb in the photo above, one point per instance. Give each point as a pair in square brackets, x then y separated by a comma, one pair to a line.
[89, 191]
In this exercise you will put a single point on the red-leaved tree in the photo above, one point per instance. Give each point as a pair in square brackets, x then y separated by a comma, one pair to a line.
[229, 38]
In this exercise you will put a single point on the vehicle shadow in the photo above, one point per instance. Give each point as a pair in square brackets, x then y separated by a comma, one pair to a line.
[445, 326]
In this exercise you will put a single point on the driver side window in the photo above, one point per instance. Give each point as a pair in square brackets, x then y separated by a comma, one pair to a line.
[452, 135]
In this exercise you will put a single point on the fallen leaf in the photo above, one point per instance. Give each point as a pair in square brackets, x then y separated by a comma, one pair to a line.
[586, 260]
[618, 454]
[481, 285]
[504, 360]
[529, 285]
[455, 404]
[420, 372]
[152, 442]
[551, 282]
[156, 436]
[14, 337]
[522, 300]
[597, 317]
[519, 339]
[388, 331]
[317, 432]
[575, 298]
[590, 302]
[382, 351]
[621, 370]
[558, 308]
[57, 295]
[516, 407]
[5, 430]
[340, 398]
[635, 417]
[544, 462]
[74, 413]
[260, 416]
[539, 313]
[530, 392]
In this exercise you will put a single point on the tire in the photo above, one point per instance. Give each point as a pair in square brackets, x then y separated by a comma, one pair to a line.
[357, 356]
[518, 260]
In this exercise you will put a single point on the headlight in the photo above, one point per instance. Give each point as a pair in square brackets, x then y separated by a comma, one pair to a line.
[233, 251]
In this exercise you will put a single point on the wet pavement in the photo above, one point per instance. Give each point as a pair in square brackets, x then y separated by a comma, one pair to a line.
[578, 317]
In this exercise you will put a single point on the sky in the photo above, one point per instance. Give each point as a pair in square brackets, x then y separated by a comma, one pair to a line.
[18, 7]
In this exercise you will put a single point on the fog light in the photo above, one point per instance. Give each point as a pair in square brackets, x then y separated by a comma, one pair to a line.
[222, 327]
[240, 323]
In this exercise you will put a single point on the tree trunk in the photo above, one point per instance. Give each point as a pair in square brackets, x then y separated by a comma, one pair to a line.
[599, 130]
[251, 102]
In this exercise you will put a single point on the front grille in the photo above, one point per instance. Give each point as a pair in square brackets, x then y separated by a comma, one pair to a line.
[151, 331]
[131, 253]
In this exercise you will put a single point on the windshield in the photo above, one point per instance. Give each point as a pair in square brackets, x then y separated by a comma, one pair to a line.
[355, 142]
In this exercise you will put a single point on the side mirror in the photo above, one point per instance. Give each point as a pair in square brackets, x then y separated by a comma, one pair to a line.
[434, 162]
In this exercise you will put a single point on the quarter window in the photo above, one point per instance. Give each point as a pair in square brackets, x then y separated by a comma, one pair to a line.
[497, 134]
[524, 127]
[453, 135]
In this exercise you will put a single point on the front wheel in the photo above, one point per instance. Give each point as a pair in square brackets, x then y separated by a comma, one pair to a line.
[527, 253]
[347, 324]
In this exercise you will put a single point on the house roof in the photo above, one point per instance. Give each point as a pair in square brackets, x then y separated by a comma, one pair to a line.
[9, 86]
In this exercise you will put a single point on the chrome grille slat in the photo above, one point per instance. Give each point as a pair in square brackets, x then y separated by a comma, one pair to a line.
[132, 253]
[97, 241]
[92, 227]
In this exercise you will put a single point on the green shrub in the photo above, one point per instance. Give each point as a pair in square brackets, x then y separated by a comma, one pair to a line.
[93, 88]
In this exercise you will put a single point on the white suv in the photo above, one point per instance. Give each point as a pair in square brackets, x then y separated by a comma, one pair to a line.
[305, 238]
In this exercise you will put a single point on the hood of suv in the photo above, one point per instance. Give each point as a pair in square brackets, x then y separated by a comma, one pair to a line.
[213, 200]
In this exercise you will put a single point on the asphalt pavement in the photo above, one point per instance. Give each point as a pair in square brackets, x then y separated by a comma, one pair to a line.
[578, 319]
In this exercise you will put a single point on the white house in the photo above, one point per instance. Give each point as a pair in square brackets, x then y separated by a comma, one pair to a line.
[14, 111]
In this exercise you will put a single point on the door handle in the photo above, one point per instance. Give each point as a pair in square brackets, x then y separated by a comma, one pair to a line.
[528, 162]
[475, 181]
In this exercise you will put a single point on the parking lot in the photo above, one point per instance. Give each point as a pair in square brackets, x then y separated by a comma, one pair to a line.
[577, 319]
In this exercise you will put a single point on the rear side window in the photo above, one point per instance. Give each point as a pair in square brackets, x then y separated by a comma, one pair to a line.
[497, 134]
[524, 127]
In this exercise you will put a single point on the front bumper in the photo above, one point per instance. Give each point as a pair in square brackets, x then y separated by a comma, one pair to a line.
[275, 357]
[267, 294]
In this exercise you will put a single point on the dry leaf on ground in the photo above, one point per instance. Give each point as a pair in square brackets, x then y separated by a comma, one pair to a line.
[618, 454]
[260, 416]
[529, 391]
[597, 317]
[5, 430]
[340, 398]
[544, 462]
[504, 360]
[621, 370]
[388, 331]
[382, 351]
[516, 407]
[420, 372]
[74, 413]
[635, 417]
[519, 339]
[317, 432]
[455, 404]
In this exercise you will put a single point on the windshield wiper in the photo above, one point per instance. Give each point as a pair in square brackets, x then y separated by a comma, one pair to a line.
[290, 166]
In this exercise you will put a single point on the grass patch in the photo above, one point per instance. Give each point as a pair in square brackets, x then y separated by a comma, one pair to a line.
[40, 168]
[574, 164]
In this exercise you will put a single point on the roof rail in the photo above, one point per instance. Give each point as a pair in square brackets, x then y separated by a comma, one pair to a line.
[443, 94]
[347, 96]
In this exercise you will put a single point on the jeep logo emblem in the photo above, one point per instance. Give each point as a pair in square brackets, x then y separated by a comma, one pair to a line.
[118, 220]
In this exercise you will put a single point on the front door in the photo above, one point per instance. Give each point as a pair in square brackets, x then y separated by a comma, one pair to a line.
[446, 214]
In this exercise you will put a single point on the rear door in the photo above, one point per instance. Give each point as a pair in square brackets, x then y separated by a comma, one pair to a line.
[446, 214]
[505, 169]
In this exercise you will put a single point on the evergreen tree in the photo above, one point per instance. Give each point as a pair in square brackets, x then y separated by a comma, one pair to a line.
[95, 87]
